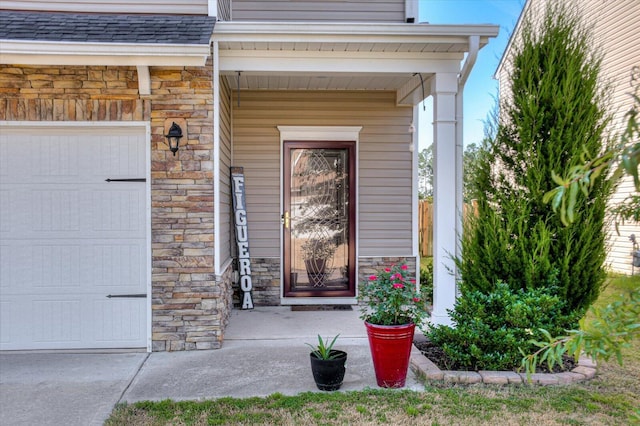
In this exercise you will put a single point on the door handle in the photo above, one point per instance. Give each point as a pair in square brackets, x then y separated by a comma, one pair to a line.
[285, 220]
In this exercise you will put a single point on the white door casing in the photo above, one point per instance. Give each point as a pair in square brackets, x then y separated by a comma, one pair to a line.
[68, 238]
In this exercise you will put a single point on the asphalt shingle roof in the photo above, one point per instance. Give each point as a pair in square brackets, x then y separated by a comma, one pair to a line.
[105, 28]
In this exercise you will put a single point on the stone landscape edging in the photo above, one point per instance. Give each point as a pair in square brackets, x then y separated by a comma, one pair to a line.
[425, 369]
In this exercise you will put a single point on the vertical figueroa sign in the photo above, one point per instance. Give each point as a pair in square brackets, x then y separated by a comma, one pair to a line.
[242, 235]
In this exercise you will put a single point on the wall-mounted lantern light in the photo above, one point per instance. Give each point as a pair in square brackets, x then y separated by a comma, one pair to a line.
[173, 137]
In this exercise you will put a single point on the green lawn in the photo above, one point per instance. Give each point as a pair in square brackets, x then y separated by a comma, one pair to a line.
[609, 399]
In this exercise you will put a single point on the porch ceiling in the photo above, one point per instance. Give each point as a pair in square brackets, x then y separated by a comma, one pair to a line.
[342, 56]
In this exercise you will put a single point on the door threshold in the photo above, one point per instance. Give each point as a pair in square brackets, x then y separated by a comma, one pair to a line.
[318, 301]
[327, 308]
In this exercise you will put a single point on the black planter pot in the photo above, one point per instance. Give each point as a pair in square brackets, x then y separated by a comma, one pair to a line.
[329, 373]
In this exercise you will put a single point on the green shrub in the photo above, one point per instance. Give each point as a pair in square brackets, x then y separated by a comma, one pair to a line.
[426, 282]
[491, 328]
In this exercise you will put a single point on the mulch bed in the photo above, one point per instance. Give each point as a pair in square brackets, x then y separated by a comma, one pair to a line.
[436, 355]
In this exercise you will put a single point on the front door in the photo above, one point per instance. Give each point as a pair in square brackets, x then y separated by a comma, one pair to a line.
[319, 219]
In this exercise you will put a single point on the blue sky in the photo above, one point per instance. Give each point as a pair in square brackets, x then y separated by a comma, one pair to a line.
[481, 87]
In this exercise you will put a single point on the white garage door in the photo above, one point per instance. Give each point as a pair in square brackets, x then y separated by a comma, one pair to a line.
[73, 247]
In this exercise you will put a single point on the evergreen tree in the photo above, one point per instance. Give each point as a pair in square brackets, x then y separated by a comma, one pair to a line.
[425, 173]
[469, 164]
[552, 117]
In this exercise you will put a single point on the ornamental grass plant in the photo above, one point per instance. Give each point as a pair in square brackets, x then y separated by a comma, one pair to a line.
[390, 298]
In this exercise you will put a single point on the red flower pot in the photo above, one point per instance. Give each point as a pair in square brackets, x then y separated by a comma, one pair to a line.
[390, 349]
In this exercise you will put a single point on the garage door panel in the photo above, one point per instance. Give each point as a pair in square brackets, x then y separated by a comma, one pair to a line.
[58, 321]
[54, 210]
[119, 321]
[14, 202]
[50, 158]
[91, 212]
[75, 156]
[16, 274]
[6, 270]
[7, 315]
[118, 210]
[4, 210]
[56, 156]
[4, 159]
[68, 238]
[91, 267]
[55, 267]
[110, 162]
[118, 266]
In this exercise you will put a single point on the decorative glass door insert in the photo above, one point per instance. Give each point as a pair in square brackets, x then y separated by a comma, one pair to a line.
[318, 221]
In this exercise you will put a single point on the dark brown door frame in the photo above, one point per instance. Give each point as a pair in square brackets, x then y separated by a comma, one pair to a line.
[286, 252]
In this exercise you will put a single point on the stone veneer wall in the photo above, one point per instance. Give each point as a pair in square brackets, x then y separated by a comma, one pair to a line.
[190, 308]
[370, 265]
[265, 277]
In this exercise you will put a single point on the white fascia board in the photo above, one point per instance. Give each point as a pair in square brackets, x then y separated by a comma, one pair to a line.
[65, 53]
[372, 33]
[335, 62]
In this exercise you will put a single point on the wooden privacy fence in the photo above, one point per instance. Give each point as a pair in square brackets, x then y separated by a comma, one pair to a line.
[425, 224]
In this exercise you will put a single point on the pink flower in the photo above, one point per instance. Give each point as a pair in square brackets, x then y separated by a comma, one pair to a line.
[398, 285]
[396, 277]
[416, 299]
[404, 267]
[372, 278]
[387, 269]
[412, 281]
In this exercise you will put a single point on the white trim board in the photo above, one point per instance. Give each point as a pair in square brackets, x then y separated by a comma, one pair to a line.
[67, 53]
[316, 133]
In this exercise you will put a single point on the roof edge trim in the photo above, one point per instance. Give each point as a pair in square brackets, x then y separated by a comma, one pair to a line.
[223, 30]
[69, 53]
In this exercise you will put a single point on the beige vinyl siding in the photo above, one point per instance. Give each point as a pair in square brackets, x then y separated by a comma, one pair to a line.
[191, 7]
[226, 229]
[224, 10]
[312, 10]
[385, 162]
[620, 247]
[614, 24]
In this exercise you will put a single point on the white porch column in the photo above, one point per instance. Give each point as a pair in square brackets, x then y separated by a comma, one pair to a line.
[444, 87]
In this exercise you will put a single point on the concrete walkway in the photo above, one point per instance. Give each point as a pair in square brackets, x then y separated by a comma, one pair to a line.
[63, 388]
[264, 352]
